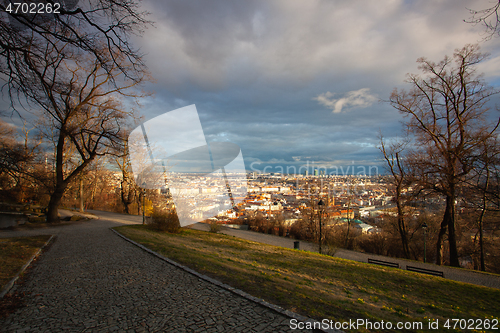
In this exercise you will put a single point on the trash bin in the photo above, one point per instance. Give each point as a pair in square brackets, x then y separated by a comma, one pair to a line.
[296, 245]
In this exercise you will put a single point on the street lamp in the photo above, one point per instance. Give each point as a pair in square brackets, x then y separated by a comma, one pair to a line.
[320, 206]
[424, 226]
[143, 201]
[269, 215]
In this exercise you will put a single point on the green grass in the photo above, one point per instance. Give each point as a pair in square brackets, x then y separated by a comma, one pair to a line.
[320, 286]
[15, 252]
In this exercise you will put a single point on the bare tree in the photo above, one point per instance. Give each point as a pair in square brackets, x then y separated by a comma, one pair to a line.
[19, 161]
[72, 63]
[393, 155]
[490, 17]
[96, 28]
[12, 156]
[481, 189]
[82, 104]
[129, 191]
[446, 111]
[351, 185]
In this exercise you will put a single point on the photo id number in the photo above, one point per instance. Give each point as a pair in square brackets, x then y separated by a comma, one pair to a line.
[33, 8]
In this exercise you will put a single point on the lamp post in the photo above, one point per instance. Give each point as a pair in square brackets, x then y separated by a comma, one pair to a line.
[424, 226]
[143, 202]
[320, 206]
[269, 215]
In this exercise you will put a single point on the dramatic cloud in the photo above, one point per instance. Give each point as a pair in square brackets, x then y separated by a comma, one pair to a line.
[278, 77]
[359, 98]
[291, 81]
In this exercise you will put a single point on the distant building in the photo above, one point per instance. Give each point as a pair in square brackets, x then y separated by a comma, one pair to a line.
[365, 228]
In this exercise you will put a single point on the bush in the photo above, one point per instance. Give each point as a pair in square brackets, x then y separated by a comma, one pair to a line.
[334, 237]
[165, 221]
[373, 243]
[214, 227]
[298, 230]
[257, 223]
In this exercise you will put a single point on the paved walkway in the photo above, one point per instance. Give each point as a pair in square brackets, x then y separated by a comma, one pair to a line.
[456, 274]
[91, 280]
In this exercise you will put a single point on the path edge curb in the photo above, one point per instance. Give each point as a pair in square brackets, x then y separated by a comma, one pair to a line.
[278, 309]
[11, 283]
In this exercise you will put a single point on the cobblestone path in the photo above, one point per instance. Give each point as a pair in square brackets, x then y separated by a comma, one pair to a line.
[91, 280]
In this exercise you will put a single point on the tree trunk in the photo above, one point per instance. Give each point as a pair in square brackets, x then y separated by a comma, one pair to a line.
[481, 219]
[452, 240]
[52, 208]
[55, 198]
[448, 223]
[481, 242]
[128, 203]
[81, 194]
[127, 208]
[127, 195]
[60, 182]
[346, 245]
[480, 226]
[92, 192]
[404, 237]
[453, 244]
[439, 243]
[402, 225]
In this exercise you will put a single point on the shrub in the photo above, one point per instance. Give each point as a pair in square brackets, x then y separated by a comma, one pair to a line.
[298, 230]
[335, 237]
[214, 227]
[163, 220]
[257, 223]
[373, 243]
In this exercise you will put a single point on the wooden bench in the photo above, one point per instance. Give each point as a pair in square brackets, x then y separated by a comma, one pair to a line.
[383, 263]
[424, 270]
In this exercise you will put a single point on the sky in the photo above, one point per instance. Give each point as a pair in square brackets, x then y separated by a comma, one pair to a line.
[296, 82]
[300, 82]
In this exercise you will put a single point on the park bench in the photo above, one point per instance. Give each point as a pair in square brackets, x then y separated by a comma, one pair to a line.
[383, 263]
[425, 271]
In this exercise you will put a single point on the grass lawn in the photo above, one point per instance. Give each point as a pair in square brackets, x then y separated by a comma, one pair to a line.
[319, 286]
[15, 252]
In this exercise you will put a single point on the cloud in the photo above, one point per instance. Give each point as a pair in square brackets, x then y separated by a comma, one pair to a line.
[219, 45]
[356, 98]
[253, 67]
